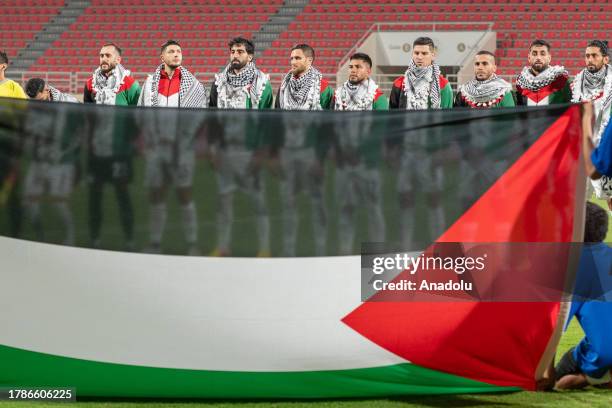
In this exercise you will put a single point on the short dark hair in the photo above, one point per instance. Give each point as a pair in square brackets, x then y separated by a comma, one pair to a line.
[112, 44]
[3, 58]
[596, 223]
[248, 44]
[489, 53]
[424, 41]
[601, 44]
[540, 43]
[34, 86]
[169, 43]
[306, 49]
[362, 57]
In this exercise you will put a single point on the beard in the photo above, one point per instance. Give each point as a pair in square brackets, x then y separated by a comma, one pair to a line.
[237, 65]
[356, 81]
[593, 69]
[537, 68]
[173, 66]
[110, 67]
[297, 71]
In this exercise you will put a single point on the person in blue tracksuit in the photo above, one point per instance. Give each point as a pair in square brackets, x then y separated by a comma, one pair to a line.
[590, 361]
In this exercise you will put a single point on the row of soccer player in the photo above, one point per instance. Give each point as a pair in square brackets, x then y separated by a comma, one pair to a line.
[242, 85]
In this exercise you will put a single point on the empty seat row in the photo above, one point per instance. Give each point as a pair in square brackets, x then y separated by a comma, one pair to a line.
[27, 11]
[24, 27]
[219, 23]
[159, 35]
[17, 34]
[125, 3]
[33, 3]
[73, 47]
[241, 11]
[212, 30]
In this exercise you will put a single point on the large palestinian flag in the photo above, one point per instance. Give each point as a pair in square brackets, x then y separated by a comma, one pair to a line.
[118, 323]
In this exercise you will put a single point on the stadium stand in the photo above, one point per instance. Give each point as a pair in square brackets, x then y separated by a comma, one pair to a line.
[142, 25]
[27, 18]
[331, 26]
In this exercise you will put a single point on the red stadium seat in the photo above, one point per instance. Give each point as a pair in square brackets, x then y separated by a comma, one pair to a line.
[333, 26]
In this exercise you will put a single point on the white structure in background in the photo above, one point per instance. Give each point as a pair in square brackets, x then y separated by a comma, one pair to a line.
[390, 47]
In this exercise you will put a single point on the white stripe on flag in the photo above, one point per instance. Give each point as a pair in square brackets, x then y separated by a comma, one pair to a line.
[237, 314]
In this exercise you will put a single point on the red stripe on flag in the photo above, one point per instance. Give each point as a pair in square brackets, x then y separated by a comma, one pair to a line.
[494, 342]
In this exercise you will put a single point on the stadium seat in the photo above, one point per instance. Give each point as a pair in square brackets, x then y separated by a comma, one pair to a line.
[333, 26]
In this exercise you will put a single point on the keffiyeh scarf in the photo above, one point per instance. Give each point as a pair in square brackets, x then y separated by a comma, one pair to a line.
[527, 80]
[422, 86]
[485, 93]
[106, 88]
[234, 89]
[588, 86]
[301, 93]
[191, 92]
[603, 110]
[356, 97]
[58, 96]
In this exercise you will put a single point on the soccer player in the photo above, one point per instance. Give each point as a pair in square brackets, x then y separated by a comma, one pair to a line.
[541, 83]
[590, 361]
[36, 88]
[303, 87]
[303, 148]
[8, 87]
[237, 147]
[55, 147]
[594, 83]
[169, 143]
[486, 90]
[358, 154]
[421, 87]
[241, 85]
[111, 83]
[111, 143]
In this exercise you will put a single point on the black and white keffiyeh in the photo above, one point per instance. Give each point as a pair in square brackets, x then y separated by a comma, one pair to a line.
[233, 89]
[422, 86]
[106, 88]
[588, 86]
[527, 80]
[603, 110]
[58, 96]
[301, 93]
[243, 78]
[192, 93]
[356, 97]
[485, 93]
